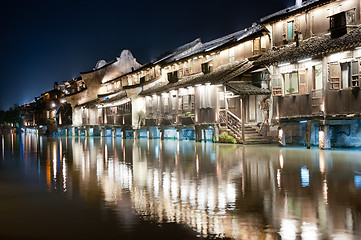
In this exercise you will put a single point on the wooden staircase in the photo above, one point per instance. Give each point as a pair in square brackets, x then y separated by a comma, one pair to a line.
[232, 125]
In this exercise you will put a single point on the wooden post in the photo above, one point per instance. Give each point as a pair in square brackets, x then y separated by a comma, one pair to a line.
[198, 133]
[226, 105]
[243, 118]
[308, 132]
[114, 132]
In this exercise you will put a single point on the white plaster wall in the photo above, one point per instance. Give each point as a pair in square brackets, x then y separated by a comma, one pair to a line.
[77, 117]
[92, 116]
[138, 109]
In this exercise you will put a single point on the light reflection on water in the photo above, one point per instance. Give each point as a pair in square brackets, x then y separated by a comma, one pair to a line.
[219, 190]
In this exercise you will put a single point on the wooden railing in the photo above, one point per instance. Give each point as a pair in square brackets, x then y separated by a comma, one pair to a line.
[231, 121]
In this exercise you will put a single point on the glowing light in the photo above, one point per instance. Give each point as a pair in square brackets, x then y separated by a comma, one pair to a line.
[288, 229]
[304, 60]
[53, 105]
[280, 158]
[283, 64]
[325, 191]
[309, 231]
[322, 162]
[357, 181]
[305, 177]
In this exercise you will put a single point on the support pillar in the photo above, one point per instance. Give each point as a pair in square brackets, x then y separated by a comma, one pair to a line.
[101, 132]
[198, 131]
[86, 132]
[161, 134]
[73, 131]
[113, 132]
[216, 134]
[308, 134]
[324, 137]
[243, 114]
[281, 137]
[66, 132]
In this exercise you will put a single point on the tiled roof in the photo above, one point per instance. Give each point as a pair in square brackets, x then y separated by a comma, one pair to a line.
[220, 75]
[311, 47]
[293, 9]
[246, 88]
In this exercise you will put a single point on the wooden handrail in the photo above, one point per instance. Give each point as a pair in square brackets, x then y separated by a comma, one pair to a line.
[232, 122]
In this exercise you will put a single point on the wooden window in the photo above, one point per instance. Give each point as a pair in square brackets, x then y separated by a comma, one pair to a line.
[334, 72]
[340, 21]
[256, 46]
[205, 68]
[276, 85]
[191, 102]
[317, 76]
[185, 103]
[345, 75]
[355, 74]
[172, 77]
[291, 82]
[302, 78]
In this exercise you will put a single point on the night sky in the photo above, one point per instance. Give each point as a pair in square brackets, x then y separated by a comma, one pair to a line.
[47, 41]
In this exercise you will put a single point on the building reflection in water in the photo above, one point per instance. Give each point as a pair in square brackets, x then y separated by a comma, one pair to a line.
[219, 190]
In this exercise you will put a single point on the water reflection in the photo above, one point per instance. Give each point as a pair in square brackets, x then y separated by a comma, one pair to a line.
[238, 192]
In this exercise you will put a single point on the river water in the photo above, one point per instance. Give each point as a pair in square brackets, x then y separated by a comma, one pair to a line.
[106, 188]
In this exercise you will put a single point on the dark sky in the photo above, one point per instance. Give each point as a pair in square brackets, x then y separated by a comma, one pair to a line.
[47, 41]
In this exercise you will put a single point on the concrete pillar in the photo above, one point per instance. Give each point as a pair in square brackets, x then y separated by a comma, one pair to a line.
[324, 137]
[281, 137]
[101, 132]
[178, 134]
[66, 132]
[79, 132]
[73, 131]
[135, 133]
[308, 133]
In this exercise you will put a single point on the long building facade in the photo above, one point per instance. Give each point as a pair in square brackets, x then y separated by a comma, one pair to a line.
[293, 77]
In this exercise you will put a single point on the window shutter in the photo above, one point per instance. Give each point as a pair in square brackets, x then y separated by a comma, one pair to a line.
[276, 84]
[334, 75]
[284, 31]
[169, 76]
[302, 77]
[355, 78]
